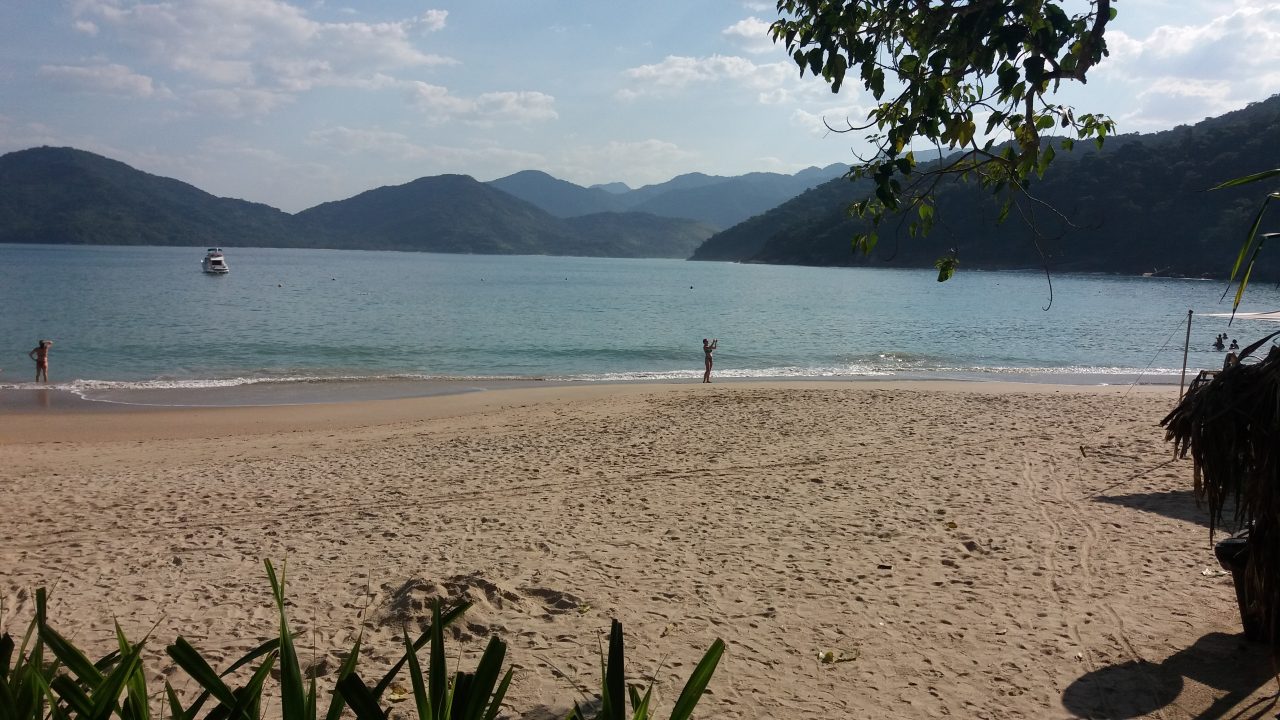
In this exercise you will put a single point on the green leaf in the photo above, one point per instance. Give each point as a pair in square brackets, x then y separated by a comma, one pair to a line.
[348, 667]
[615, 694]
[1248, 243]
[698, 681]
[946, 267]
[360, 699]
[137, 706]
[420, 697]
[422, 640]
[484, 680]
[194, 664]
[437, 677]
[293, 698]
[496, 705]
[70, 656]
[1247, 179]
[176, 712]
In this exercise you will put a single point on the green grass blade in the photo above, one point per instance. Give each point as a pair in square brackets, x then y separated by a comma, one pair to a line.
[106, 695]
[6, 655]
[137, 707]
[194, 664]
[293, 699]
[614, 706]
[1247, 179]
[176, 711]
[640, 705]
[423, 639]
[72, 694]
[8, 703]
[249, 697]
[698, 682]
[70, 656]
[484, 679]
[461, 693]
[336, 703]
[360, 699]
[1244, 251]
[1244, 281]
[437, 672]
[267, 647]
[496, 705]
[420, 697]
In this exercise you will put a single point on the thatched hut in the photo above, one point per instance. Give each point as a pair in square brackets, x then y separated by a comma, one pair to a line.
[1231, 428]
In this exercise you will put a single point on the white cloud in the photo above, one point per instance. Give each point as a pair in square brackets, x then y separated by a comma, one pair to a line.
[380, 143]
[676, 73]
[20, 135]
[486, 109]
[1183, 73]
[389, 147]
[645, 161]
[111, 79]
[238, 102]
[261, 43]
[752, 34]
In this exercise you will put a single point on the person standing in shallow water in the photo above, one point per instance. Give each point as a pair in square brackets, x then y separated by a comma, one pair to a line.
[707, 349]
[40, 354]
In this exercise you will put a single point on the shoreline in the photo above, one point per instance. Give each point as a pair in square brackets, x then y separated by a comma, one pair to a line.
[71, 419]
[269, 393]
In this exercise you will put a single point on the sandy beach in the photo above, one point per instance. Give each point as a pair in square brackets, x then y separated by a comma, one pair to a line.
[970, 550]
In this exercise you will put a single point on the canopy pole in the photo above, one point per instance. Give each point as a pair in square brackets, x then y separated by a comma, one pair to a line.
[1185, 347]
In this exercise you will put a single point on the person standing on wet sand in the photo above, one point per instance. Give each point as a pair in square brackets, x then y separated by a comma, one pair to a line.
[707, 349]
[41, 355]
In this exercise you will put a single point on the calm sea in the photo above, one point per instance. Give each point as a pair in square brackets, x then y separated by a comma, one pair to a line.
[144, 324]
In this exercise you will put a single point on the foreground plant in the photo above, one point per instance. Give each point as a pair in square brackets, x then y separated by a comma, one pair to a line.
[68, 686]
[1231, 428]
[1253, 242]
[614, 690]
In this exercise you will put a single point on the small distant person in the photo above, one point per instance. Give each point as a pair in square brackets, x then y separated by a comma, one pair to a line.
[1218, 344]
[1235, 346]
[707, 349]
[1230, 361]
[40, 354]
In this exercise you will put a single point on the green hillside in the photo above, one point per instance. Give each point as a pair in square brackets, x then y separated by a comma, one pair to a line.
[63, 195]
[68, 196]
[1140, 205]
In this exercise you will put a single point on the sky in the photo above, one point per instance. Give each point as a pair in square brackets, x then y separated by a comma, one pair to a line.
[295, 103]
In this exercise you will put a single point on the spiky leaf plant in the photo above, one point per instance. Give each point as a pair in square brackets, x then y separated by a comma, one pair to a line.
[614, 691]
[1231, 428]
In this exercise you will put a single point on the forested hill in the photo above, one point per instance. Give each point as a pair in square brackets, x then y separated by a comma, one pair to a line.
[69, 196]
[63, 195]
[1140, 205]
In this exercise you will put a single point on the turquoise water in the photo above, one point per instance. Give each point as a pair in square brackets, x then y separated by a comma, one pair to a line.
[143, 318]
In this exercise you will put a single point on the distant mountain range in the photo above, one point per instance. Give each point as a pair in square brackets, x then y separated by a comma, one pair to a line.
[64, 195]
[720, 202]
[1139, 206]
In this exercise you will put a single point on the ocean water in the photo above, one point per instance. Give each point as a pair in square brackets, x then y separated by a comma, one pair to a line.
[144, 322]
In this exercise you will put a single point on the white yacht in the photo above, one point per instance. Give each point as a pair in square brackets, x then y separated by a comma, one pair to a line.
[214, 263]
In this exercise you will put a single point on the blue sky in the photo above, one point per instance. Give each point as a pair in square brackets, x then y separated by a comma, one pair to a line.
[297, 103]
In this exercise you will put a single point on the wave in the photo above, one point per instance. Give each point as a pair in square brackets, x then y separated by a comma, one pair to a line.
[887, 367]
